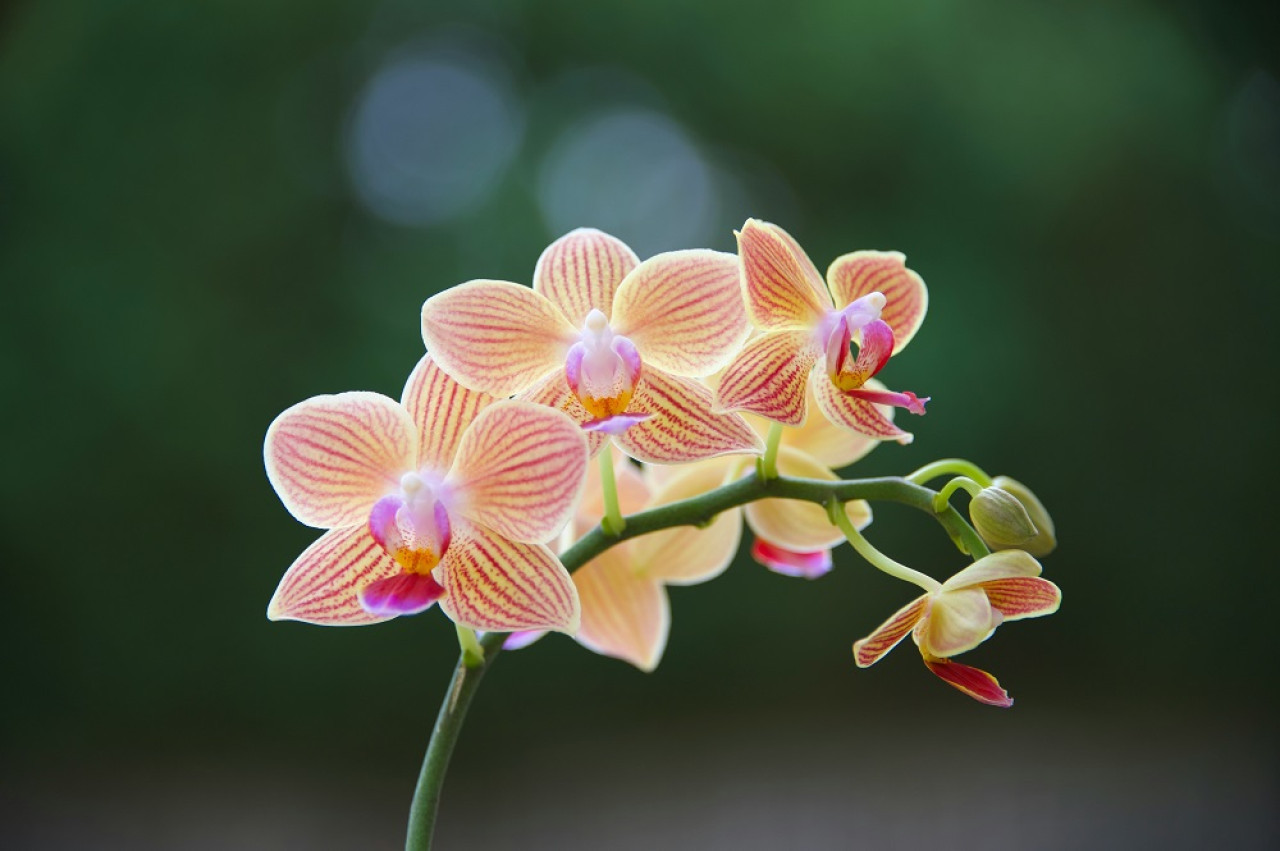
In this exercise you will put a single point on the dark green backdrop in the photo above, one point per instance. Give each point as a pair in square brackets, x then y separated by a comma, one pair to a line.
[188, 246]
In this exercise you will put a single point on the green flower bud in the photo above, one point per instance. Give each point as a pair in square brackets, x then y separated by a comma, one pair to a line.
[1045, 540]
[1001, 520]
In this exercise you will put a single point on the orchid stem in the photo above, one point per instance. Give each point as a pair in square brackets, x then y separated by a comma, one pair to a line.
[472, 653]
[612, 522]
[768, 467]
[944, 496]
[953, 466]
[687, 512]
[878, 560]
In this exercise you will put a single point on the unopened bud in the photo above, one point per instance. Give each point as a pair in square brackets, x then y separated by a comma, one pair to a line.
[1045, 540]
[1001, 520]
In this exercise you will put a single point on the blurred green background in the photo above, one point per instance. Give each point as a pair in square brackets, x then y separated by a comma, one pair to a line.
[211, 211]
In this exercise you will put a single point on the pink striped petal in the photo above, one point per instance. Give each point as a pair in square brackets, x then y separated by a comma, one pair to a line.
[553, 391]
[1023, 597]
[687, 555]
[442, 409]
[851, 412]
[495, 337]
[829, 444]
[797, 525]
[331, 458]
[974, 682]
[906, 298]
[682, 427]
[582, 270]
[495, 584]
[768, 376]
[867, 651]
[958, 621]
[1005, 564]
[683, 311]
[779, 292]
[323, 584]
[402, 594]
[624, 614]
[811, 274]
[519, 471]
[791, 563]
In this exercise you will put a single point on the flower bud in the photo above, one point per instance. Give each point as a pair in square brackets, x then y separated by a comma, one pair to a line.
[1001, 520]
[1045, 540]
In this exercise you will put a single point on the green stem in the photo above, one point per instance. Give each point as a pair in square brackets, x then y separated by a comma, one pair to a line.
[879, 560]
[944, 496]
[612, 521]
[950, 466]
[472, 652]
[695, 511]
[768, 468]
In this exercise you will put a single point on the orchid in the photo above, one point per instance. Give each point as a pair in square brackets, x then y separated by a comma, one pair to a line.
[615, 343]
[961, 613]
[869, 297]
[446, 496]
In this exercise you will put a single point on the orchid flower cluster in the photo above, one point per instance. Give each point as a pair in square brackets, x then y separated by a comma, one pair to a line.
[702, 383]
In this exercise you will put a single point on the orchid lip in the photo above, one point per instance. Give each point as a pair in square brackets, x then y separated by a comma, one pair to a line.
[602, 368]
[412, 526]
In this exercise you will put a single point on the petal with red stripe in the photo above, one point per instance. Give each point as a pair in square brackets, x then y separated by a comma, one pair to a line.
[974, 682]
[494, 336]
[519, 471]
[553, 391]
[682, 427]
[496, 584]
[867, 651]
[582, 270]
[1023, 597]
[906, 297]
[852, 412]
[768, 376]
[683, 311]
[1005, 564]
[322, 586]
[330, 458]
[442, 409]
[779, 292]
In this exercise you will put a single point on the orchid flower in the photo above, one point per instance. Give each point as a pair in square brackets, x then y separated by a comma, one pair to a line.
[961, 613]
[615, 343]
[446, 496]
[870, 297]
[625, 610]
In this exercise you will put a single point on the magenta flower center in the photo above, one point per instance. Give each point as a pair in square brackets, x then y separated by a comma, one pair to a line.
[412, 525]
[602, 368]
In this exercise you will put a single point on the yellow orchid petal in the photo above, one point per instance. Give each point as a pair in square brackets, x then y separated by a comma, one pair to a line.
[906, 297]
[519, 471]
[778, 286]
[682, 427]
[322, 585]
[867, 651]
[1023, 597]
[496, 584]
[1004, 564]
[958, 621]
[798, 525]
[442, 409]
[768, 377]
[860, 415]
[582, 270]
[686, 555]
[624, 614]
[330, 458]
[494, 336]
[683, 311]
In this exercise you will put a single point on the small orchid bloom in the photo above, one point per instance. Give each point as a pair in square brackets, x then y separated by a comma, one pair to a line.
[615, 343]
[446, 496]
[870, 297]
[961, 613]
[625, 610]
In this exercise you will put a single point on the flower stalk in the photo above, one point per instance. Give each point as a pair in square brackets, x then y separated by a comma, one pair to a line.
[688, 512]
[612, 522]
